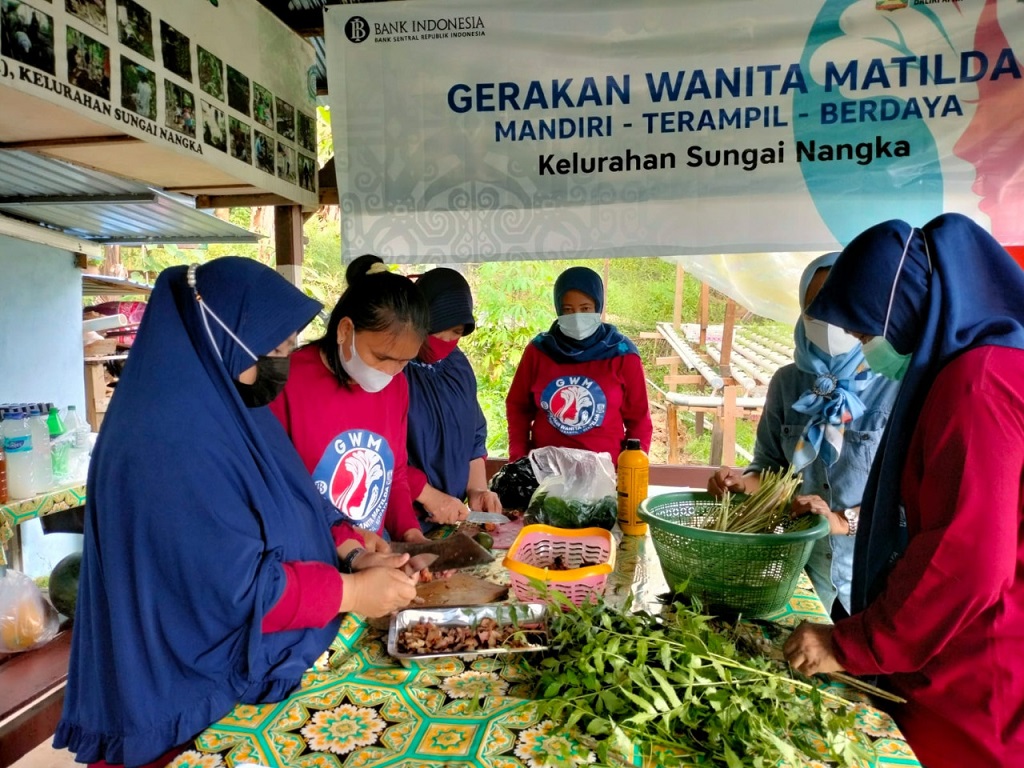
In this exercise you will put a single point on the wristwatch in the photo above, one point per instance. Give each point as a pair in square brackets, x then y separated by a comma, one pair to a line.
[852, 518]
[346, 562]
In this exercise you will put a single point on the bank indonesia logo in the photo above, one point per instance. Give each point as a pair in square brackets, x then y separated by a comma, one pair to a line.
[357, 29]
[574, 404]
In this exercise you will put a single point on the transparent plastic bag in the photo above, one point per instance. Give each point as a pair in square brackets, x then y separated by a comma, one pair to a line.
[576, 488]
[27, 620]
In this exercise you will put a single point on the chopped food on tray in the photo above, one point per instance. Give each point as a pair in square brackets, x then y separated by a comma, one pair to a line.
[427, 637]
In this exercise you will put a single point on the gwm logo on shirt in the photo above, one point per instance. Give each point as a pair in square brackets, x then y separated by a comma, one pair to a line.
[355, 475]
[575, 404]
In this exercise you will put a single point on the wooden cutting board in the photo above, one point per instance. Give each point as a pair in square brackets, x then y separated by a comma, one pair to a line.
[460, 589]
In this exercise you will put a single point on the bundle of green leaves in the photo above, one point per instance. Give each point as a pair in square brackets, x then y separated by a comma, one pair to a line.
[677, 689]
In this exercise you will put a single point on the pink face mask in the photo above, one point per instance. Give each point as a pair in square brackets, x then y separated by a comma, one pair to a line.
[437, 349]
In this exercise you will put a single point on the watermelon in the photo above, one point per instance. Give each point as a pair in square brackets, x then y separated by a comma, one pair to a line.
[64, 584]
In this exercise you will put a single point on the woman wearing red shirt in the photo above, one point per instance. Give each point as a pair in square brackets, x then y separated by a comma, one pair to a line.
[938, 580]
[581, 384]
[345, 405]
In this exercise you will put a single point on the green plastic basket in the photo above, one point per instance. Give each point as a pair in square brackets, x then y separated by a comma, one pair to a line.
[750, 573]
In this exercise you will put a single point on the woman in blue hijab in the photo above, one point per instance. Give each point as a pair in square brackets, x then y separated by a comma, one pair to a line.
[203, 530]
[447, 428]
[581, 384]
[938, 592]
[823, 417]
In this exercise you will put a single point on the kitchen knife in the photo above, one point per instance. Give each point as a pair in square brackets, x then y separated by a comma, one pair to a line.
[487, 517]
[456, 551]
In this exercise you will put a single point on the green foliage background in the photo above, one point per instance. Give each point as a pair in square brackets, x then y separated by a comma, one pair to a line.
[513, 303]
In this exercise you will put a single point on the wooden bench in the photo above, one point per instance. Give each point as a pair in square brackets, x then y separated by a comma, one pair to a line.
[32, 696]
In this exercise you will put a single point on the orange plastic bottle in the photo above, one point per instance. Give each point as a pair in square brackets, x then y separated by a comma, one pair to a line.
[634, 471]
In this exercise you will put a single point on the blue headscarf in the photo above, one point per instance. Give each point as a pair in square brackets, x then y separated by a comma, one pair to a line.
[832, 402]
[194, 503]
[945, 289]
[447, 428]
[605, 343]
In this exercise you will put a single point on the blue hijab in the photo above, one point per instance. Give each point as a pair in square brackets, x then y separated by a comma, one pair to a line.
[832, 402]
[194, 504]
[447, 428]
[945, 288]
[605, 343]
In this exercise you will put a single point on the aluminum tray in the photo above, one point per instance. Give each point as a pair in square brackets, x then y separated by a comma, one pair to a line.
[465, 616]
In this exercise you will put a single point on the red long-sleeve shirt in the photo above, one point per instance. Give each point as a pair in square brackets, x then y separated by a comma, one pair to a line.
[949, 627]
[593, 405]
[352, 442]
[312, 590]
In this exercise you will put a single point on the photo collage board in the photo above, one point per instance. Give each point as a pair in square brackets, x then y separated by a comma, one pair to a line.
[166, 69]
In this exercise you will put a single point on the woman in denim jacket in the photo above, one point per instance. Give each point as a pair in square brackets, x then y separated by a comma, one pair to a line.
[823, 416]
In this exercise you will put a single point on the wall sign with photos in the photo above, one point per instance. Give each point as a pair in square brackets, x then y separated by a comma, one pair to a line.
[165, 71]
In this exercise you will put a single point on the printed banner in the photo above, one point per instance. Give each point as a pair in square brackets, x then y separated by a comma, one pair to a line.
[225, 81]
[469, 130]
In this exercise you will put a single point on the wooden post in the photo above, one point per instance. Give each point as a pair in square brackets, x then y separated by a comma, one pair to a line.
[705, 300]
[725, 359]
[677, 310]
[288, 242]
[729, 414]
[704, 312]
[672, 418]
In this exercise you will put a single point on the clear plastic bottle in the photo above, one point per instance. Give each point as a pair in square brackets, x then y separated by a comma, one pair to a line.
[78, 462]
[43, 470]
[60, 446]
[21, 461]
[3, 466]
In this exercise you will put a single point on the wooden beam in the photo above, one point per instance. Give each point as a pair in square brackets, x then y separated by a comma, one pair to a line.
[288, 241]
[687, 379]
[258, 200]
[79, 141]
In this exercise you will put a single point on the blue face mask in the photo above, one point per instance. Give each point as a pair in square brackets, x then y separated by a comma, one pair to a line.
[579, 325]
[883, 358]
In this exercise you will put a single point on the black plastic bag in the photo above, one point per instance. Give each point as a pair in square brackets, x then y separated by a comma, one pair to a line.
[515, 483]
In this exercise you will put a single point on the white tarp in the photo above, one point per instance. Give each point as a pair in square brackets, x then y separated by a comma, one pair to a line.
[469, 130]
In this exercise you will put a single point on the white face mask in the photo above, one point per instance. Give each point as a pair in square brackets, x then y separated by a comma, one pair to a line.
[829, 339]
[580, 325]
[366, 376]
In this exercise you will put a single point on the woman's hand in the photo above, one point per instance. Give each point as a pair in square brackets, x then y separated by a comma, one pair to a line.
[442, 508]
[483, 500]
[727, 479]
[809, 650]
[366, 560]
[838, 525]
[377, 592]
[414, 536]
[374, 543]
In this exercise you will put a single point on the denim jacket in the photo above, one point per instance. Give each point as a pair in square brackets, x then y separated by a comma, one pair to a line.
[841, 485]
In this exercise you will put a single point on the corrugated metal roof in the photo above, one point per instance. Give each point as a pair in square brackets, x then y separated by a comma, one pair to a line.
[103, 285]
[103, 208]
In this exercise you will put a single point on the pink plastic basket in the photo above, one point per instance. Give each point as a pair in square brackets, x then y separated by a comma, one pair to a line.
[536, 548]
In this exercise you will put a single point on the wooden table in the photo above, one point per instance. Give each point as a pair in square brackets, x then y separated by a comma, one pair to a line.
[359, 707]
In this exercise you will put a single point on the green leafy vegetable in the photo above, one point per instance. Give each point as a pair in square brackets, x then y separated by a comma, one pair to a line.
[572, 513]
[677, 688]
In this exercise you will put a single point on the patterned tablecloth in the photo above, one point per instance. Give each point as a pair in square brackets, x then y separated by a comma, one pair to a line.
[360, 708]
[14, 513]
